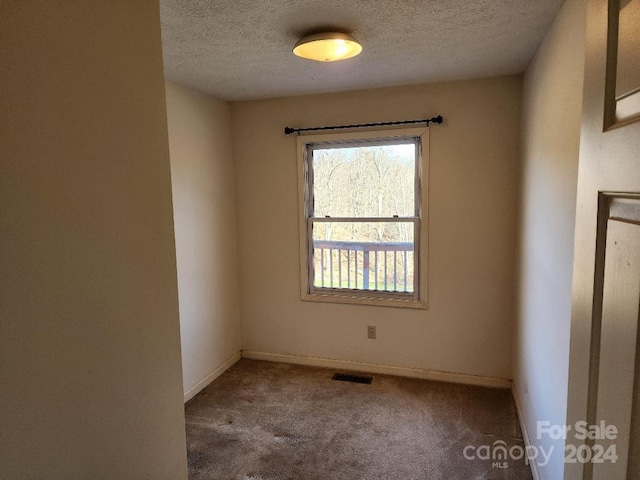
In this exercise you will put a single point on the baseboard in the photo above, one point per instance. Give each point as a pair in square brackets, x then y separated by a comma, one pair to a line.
[439, 376]
[525, 432]
[193, 391]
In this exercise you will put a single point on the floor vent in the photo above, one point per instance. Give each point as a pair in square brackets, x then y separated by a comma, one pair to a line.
[343, 377]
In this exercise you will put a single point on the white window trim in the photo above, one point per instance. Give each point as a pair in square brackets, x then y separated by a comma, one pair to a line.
[366, 297]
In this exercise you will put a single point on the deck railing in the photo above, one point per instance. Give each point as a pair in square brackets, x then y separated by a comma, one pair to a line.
[364, 265]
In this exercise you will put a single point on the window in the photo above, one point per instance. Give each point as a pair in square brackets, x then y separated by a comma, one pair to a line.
[363, 236]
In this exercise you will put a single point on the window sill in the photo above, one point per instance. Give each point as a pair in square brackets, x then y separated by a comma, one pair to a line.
[364, 299]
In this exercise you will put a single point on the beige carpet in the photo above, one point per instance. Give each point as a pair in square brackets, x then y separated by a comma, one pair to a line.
[273, 421]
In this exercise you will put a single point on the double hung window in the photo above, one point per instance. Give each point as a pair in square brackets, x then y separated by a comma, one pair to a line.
[362, 217]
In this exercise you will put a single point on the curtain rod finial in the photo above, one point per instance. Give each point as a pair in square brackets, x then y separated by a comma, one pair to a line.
[289, 130]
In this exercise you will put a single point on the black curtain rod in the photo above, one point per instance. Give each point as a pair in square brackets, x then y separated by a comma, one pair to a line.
[289, 130]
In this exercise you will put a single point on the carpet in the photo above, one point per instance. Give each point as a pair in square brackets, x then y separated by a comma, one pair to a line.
[276, 421]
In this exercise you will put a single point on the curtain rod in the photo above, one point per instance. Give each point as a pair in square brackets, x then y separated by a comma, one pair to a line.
[289, 130]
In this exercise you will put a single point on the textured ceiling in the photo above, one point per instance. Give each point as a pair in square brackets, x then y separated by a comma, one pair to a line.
[241, 49]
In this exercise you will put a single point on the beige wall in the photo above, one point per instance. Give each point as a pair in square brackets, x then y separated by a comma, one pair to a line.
[473, 191]
[551, 132]
[205, 229]
[89, 337]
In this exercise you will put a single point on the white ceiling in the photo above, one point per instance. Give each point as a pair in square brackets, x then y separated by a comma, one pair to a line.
[241, 49]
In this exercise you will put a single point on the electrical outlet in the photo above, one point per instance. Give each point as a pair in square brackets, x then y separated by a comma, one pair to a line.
[371, 331]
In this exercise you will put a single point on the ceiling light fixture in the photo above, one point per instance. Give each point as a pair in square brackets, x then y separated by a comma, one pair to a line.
[327, 47]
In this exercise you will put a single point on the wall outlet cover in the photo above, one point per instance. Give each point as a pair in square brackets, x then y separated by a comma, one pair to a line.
[371, 331]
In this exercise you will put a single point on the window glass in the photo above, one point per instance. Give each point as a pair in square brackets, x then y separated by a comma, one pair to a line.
[373, 256]
[364, 181]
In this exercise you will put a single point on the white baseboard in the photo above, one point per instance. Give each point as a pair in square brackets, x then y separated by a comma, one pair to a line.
[436, 375]
[525, 432]
[193, 391]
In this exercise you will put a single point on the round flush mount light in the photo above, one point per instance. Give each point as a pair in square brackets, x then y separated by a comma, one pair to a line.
[327, 47]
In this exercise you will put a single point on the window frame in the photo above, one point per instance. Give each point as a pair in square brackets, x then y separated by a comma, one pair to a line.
[415, 299]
